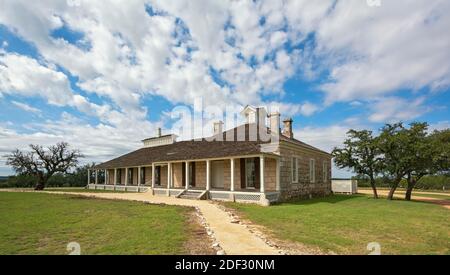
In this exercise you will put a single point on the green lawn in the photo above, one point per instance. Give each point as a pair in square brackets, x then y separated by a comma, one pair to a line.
[346, 224]
[35, 223]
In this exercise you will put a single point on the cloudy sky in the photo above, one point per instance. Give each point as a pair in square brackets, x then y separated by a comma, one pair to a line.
[103, 75]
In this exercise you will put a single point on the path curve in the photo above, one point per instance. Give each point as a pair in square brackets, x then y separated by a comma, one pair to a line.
[234, 238]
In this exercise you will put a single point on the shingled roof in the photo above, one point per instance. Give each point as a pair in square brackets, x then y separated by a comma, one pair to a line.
[196, 149]
[184, 150]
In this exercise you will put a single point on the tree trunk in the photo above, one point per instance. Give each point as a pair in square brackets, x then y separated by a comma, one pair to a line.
[393, 188]
[374, 188]
[410, 188]
[40, 185]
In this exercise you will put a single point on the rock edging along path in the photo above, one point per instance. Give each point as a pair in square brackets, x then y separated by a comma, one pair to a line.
[233, 238]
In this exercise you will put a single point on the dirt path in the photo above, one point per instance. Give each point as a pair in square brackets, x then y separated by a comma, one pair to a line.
[422, 197]
[234, 238]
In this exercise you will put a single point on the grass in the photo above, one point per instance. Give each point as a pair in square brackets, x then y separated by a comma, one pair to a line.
[346, 224]
[36, 223]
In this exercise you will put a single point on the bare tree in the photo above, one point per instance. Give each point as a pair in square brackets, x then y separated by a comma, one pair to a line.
[44, 163]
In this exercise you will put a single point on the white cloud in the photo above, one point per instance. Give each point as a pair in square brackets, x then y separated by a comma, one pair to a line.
[326, 138]
[377, 51]
[292, 109]
[126, 55]
[26, 107]
[394, 109]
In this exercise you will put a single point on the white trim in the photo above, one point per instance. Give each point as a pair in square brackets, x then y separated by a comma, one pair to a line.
[169, 175]
[153, 176]
[294, 159]
[139, 176]
[261, 175]
[232, 175]
[312, 170]
[187, 166]
[208, 175]
[115, 177]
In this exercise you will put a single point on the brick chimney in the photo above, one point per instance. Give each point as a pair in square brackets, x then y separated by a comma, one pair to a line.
[287, 130]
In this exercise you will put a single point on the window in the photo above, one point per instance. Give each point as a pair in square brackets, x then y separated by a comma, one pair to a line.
[325, 172]
[142, 176]
[158, 175]
[312, 170]
[130, 176]
[294, 165]
[119, 176]
[250, 173]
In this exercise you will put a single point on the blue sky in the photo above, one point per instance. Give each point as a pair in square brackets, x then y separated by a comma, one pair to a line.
[103, 76]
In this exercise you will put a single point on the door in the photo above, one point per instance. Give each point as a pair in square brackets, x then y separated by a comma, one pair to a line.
[158, 175]
[217, 174]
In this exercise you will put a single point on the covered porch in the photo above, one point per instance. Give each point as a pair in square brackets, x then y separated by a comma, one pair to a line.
[254, 178]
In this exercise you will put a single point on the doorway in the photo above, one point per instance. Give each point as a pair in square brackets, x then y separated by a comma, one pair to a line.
[217, 174]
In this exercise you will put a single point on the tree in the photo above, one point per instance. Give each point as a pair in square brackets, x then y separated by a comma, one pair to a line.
[419, 155]
[393, 143]
[42, 163]
[361, 154]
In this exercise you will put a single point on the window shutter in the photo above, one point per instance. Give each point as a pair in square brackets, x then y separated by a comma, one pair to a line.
[257, 173]
[242, 168]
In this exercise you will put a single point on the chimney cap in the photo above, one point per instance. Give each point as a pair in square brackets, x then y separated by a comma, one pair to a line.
[289, 119]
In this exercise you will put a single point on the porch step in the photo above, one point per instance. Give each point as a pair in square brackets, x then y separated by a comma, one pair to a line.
[192, 195]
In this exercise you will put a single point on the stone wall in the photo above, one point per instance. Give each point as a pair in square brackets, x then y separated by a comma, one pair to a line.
[237, 174]
[200, 174]
[177, 170]
[148, 176]
[304, 188]
[270, 174]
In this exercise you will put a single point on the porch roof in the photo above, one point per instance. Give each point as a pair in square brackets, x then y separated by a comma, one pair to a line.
[183, 150]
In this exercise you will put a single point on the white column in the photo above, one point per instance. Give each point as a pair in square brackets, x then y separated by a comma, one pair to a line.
[89, 176]
[139, 176]
[278, 185]
[106, 177]
[96, 176]
[208, 178]
[261, 170]
[115, 177]
[232, 175]
[126, 176]
[153, 176]
[169, 174]
[187, 175]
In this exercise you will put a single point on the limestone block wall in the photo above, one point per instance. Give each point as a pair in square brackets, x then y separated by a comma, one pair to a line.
[148, 175]
[270, 172]
[177, 170]
[200, 174]
[304, 188]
